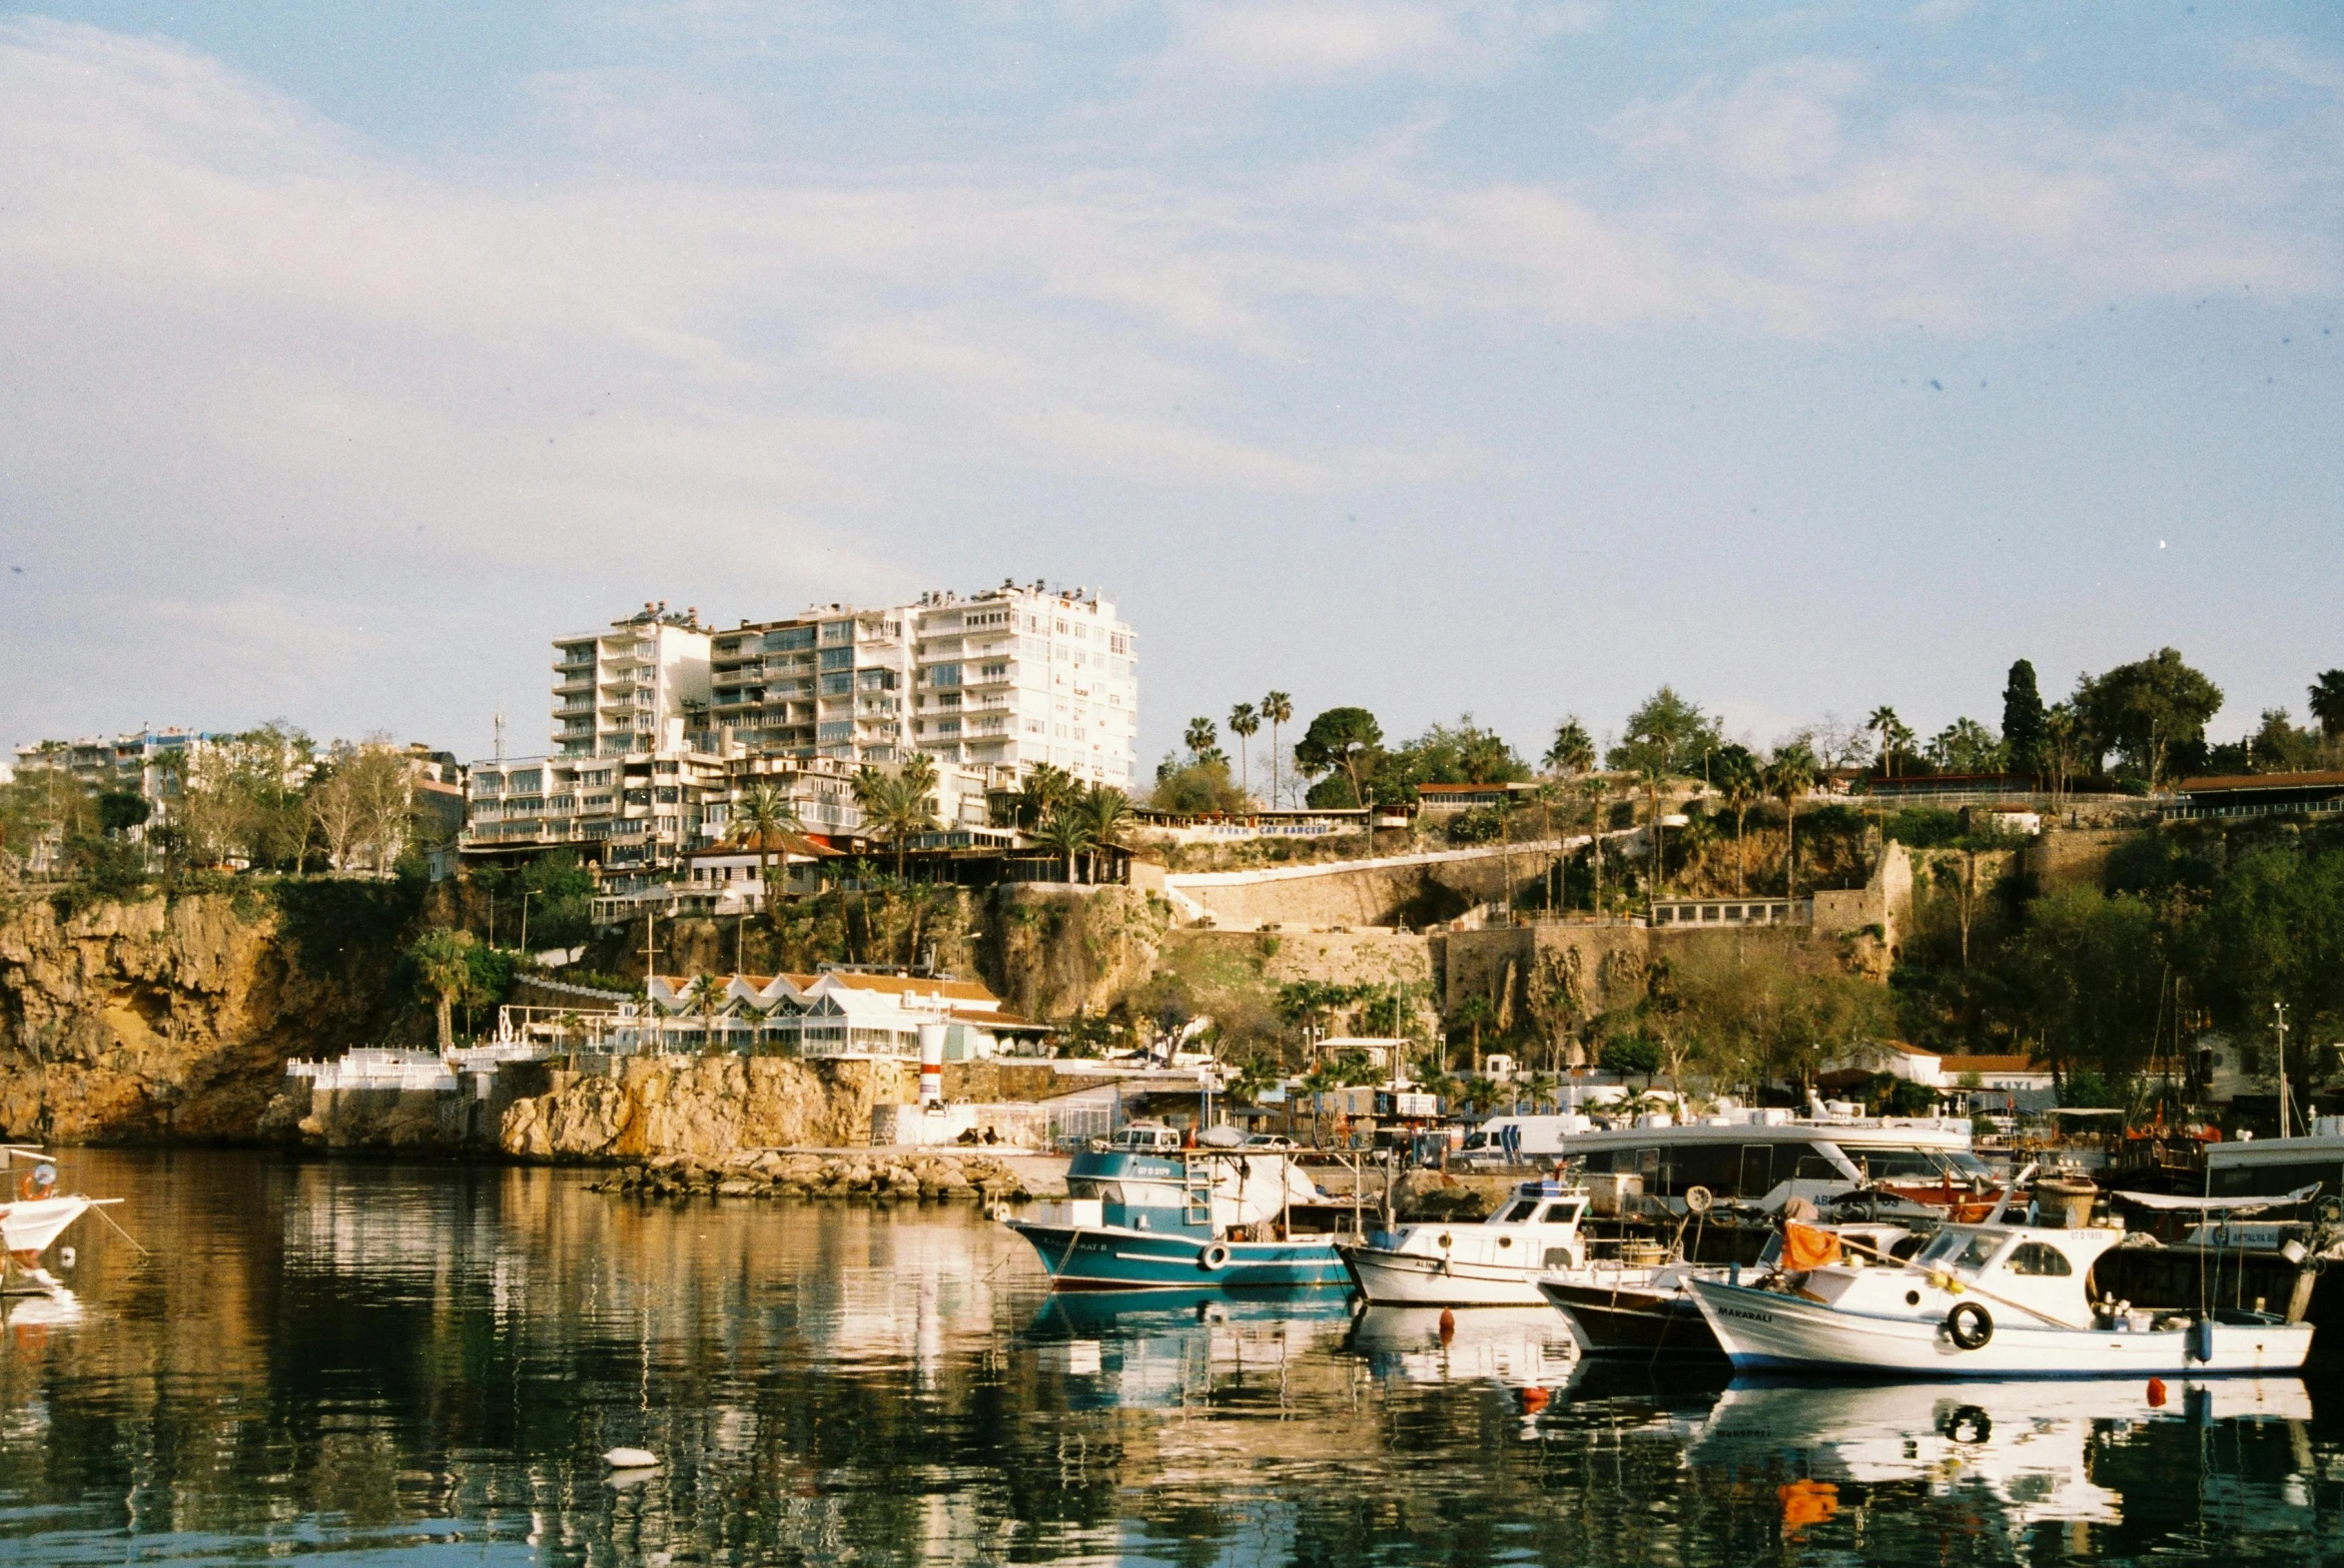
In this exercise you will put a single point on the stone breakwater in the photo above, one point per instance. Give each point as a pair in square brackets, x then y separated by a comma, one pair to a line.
[883, 1175]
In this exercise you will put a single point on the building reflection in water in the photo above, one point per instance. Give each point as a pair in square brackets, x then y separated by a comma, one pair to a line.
[427, 1362]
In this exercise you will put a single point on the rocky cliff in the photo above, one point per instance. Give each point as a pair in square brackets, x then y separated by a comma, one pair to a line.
[172, 1018]
[704, 1109]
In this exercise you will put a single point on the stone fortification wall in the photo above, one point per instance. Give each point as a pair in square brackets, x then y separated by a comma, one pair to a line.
[1408, 889]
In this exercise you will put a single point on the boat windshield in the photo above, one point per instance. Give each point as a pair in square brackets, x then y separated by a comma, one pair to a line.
[1560, 1213]
[1918, 1165]
[1516, 1213]
[1962, 1250]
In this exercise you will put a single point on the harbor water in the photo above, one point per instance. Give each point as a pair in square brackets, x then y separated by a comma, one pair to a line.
[380, 1364]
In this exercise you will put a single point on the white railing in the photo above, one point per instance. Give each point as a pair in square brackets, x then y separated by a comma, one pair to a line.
[369, 1067]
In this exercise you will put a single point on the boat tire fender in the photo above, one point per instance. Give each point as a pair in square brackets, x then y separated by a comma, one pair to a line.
[1213, 1257]
[1970, 1325]
[1698, 1200]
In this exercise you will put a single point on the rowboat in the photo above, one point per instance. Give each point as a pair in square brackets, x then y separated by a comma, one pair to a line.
[33, 1219]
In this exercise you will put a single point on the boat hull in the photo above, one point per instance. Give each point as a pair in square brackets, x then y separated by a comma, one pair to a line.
[31, 1224]
[1108, 1257]
[1644, 1325]
[1390, 1278]
[1763, 1331]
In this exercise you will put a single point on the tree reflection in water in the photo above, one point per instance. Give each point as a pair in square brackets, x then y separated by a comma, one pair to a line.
[425, 1362]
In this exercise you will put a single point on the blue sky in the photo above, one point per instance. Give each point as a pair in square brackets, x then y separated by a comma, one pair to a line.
[1427, 355]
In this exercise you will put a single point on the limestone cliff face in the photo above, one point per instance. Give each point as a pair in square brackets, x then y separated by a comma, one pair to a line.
[1054, 952]
[704, 1109]
[173, 1018]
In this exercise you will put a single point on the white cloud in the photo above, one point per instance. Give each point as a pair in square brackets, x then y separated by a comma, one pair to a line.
[1317, 42]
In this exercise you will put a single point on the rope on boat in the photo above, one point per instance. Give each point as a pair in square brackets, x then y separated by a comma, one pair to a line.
[118, 1231]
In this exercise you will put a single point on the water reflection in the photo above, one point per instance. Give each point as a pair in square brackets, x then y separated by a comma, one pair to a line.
[423, 1363]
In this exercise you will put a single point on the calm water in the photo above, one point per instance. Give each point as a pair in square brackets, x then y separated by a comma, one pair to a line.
[373, 1364]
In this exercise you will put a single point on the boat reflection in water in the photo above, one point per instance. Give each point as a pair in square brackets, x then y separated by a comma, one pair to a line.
[1518, 1346]
[2029, 1448]
[1176, 1348]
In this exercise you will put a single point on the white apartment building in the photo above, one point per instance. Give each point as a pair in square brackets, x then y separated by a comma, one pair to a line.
[1008, 678]
[638, 685]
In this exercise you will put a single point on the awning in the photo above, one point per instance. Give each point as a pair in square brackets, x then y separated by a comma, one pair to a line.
[2221, 1205]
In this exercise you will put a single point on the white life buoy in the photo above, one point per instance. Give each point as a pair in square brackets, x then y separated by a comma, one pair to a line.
[1213, 1258]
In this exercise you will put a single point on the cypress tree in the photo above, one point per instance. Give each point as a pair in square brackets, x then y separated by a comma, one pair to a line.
[2023, 726]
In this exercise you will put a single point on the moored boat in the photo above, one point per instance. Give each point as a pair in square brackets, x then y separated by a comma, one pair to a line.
[1647, 1313]
[1495, 1262]
[33, 1219]
[1980, 1302]
[1147, 1213]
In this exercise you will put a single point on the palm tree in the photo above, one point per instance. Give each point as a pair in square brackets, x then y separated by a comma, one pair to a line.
[1276, 708]
[1201, 738]
[1104, 811]
[1787, 778]
[1652, 770]
[1064, 833]
[1598, 790]
[1245, 723]
[1885, 723]
[1573, 752]
[764, 815]
[1741, 786]
[896, 807]
[2327, 705]
[706, 995]
[443, 969]
[1044, 788]
[1473, 1014]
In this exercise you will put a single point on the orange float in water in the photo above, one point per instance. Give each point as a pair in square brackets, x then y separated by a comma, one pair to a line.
[2156, 1393]
[1534, 1399]
[1807, 1503]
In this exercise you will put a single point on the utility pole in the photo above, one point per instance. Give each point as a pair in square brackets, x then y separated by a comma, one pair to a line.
[650, 960]
[2281, 1008]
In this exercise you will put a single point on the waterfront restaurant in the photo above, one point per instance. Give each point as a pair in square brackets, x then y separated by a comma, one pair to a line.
[837, 1014]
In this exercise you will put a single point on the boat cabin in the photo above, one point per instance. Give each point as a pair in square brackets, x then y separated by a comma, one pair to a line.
[2025, 1273]
[1536, 1228]
[1765, 1163]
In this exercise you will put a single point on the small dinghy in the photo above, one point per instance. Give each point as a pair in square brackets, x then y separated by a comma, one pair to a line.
[33, 1215]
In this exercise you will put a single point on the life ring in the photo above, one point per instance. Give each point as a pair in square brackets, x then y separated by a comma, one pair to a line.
[2331, 1209]
[38, 1183]
[1698, 1200]
[1970, 1325]
[1969, 1424]
[1213, 1258]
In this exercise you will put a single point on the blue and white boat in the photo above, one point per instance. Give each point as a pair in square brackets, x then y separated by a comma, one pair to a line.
[1145, 1213]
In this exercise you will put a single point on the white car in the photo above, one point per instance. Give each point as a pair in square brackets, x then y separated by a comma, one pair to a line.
[1270, 1141]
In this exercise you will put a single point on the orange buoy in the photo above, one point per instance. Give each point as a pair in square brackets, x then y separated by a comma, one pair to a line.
[1448, 1325]
[1534, 1399]
[2156, 1393]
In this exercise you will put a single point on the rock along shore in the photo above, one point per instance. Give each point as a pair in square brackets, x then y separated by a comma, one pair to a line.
[888, 1175]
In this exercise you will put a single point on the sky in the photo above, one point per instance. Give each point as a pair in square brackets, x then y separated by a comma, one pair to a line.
[1511, 356]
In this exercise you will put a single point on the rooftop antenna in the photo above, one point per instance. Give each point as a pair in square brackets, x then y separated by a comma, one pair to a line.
[500, 739]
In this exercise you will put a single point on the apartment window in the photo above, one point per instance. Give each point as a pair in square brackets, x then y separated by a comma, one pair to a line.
[838, 658]
[951, 699]
[875, 680]
[789, 638]
[839, 684]
[837, 632]
[836, 729]
[949, 727]
[1119, 645]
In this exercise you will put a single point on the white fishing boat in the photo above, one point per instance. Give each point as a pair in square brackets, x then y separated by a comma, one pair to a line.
[1980, 1302]
[1492, 1262]
[32, 1217]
